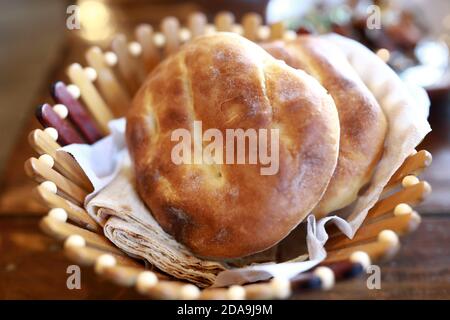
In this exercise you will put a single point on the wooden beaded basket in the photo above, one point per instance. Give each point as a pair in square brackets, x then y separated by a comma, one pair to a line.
[103, 91]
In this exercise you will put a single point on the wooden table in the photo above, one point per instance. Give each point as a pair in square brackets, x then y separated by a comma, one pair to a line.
[32, 266]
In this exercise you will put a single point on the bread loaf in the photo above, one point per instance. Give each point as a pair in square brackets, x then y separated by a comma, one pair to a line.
[362, 122]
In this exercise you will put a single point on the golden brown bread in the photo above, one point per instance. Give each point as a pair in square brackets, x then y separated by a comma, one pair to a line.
[362, 122]
[231, 210]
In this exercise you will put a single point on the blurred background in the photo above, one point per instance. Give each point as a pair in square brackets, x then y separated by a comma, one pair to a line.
[413, 37]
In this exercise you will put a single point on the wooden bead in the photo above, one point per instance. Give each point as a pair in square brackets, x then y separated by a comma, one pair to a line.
[326, 276]
[61, 110]
[134, 48]
[74, 91]
[91, 73]
[47, 160]
[104, 261]
[52, 132]
[185, 34]
[74, 240]
[189, 292]
[409, 181]
[281, 287]
[388, 237]
[145, 281]
[49, 186]
[362, 258]
[402, 209]
[58, 214]
[236, 292]
[110, 58]
[159, 39]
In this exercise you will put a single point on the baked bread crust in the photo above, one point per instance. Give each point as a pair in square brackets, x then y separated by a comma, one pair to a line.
[362, 121]
[228, 82]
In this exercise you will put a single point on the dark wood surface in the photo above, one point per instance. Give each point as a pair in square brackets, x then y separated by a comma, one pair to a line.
[33, 266]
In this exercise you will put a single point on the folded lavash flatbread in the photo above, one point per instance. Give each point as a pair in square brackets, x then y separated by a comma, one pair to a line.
[131, 227]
